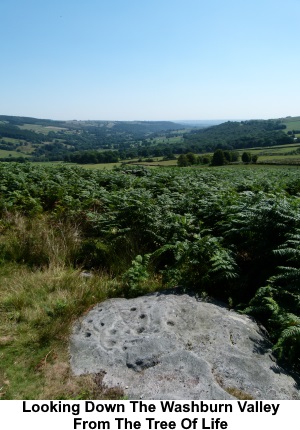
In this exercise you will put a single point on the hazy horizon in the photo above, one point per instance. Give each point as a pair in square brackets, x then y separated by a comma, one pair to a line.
[213, 120]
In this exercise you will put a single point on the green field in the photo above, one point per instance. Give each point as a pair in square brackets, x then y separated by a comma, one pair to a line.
[12, 140]
[292, 123]
[4, 154]
[163, 139]
[40, 128]
[100, 166]
[285, 154]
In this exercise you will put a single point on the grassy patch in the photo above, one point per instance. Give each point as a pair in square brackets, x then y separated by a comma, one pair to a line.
[100, 166]
[281, 154]
[160, 162]
[41, 295]
[4, 154]
[37, 311]
[292, 123]
[40, 128]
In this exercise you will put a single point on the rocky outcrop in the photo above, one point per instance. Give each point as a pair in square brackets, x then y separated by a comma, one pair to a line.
[168, 346]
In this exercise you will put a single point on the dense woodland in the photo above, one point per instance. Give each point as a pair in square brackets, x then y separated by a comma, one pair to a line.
[239, 135]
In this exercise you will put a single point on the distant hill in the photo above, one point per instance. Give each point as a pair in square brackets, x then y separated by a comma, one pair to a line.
[110, 141]
[52, 140]
[200, 123]
[238, 135]
[292, 124]
[133, 127]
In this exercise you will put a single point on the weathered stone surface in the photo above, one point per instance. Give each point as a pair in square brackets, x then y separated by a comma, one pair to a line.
[168, 346]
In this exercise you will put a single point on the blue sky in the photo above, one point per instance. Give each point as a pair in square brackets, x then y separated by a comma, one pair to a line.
[150, 60]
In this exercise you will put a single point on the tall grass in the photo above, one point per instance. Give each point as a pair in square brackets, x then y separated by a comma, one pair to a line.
[41, 295]
[39, 241]
[37, 308]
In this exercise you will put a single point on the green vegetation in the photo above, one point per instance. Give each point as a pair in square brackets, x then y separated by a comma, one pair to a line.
[292, 125]
[247, 157]
[281, 154]
[218, 158]
[238, 135]
[188, 159]
[98, 142]
[6, 154]
[37, 307]
[87, 141]
[230, 232]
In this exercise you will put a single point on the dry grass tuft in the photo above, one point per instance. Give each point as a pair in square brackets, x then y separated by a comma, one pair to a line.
[233, 391]
[238, 394]
[62, 384]
[39, 241]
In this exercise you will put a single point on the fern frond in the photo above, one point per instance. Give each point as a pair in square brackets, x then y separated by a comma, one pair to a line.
[270, 304]
[290, 332]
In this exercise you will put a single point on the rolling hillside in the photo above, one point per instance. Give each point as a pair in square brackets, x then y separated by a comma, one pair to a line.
[51, 140]
[112, 141]
[239, 135]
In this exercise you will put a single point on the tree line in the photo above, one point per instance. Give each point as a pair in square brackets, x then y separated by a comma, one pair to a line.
[219, 158]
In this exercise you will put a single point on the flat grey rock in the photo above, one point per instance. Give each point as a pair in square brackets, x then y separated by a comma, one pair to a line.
[167, 346]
